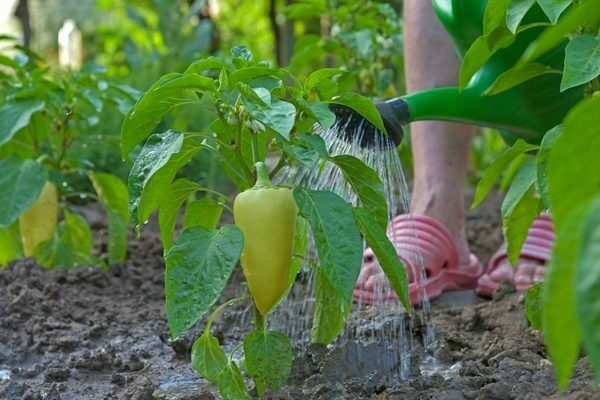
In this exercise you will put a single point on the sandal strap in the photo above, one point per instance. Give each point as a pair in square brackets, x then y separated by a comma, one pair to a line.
[538, 244]
[422, 241]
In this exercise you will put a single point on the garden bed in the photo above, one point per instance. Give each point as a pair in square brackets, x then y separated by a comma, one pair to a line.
[89, 334]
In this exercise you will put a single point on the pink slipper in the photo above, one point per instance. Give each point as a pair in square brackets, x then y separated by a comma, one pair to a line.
[421, 241]
[538, 246]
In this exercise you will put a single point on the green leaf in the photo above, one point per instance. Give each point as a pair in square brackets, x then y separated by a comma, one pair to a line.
[517, 75]
[331, 311]
[10, 243]
[154, 169]
[579, 15]
[198, 267]
[15, 115]
[516, 12]
[112, 194]
[587, 286]
[520, 208]
[169, 92]
[77, 234]
[206, 64]
[385, 252]
[247, 75]
[495, 15]
[363, 106]
[366, 184]
[542, 162]
[300, 248]
[208, 357]
[307, 156]
[20, 185]
[573, 182]
[482, 49]
[533, 305]
[178, 192]
[241, 52]
[316, 77]
[318, 111]
[340, 256]
[231, 383]
[582, 61]
[268, 358]
[204, 212]
[553, 8]
[53, 252]
[313, 141]
[278, 115]
[495, 170]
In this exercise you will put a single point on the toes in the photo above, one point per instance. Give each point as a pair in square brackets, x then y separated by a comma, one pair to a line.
[504, 272]
[375, 282]
[539, 273]
[524, 274]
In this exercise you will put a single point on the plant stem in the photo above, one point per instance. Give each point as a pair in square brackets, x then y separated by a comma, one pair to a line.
[218, 310]
[280, 164]
[262, 175]
[236, 348]
[260, 322]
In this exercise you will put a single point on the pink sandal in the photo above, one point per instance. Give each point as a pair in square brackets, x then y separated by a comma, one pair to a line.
[422, 241]
[538, 246]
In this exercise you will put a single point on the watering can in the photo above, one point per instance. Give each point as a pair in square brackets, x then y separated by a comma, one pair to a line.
[526, 111]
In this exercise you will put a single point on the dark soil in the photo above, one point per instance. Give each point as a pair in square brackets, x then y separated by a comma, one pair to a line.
[89, 334]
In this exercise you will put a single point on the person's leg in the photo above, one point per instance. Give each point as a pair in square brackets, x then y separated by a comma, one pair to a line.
[440, 149]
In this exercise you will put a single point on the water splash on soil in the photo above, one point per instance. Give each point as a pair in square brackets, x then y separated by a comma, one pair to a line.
[294, 316]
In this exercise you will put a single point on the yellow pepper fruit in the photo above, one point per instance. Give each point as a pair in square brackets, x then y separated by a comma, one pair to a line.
[38, 223]
[266, 215]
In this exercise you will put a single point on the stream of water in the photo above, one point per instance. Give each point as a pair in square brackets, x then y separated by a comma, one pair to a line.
[383, 322]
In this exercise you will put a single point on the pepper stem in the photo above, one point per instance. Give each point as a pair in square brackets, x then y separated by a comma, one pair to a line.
[262, 175]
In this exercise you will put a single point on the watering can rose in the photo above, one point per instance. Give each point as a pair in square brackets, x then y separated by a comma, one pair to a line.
[266, 214]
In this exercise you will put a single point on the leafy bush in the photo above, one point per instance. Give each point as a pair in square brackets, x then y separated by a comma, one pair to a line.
[46, 119]
[561, 175]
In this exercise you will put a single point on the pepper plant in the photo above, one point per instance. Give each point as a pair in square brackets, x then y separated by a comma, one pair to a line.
[259, 111]
[47, 118]
[561, 175]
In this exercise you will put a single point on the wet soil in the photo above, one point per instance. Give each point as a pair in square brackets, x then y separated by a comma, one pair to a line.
[93, 334]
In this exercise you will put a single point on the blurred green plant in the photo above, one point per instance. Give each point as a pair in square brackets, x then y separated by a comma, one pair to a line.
[561, 175]
[47, 121]
[364, 37]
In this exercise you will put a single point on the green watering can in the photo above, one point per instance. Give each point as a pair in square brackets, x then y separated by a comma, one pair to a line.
[526, 111]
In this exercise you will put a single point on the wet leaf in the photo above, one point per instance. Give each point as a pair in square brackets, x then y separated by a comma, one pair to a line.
[198, 267]
[15, 115]
[154, 169]
[231, 383]
[366, 184]
[77, 234]
[20, 185]
[268, 358]
[385, 252]
[340, 256]
[278, 115]
[208, 357]
[582, 61]
[54, 252]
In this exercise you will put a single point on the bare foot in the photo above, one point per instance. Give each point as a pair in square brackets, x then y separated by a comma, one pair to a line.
[526, 273]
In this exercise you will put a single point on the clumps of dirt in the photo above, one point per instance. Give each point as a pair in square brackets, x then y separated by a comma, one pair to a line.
[94, 334]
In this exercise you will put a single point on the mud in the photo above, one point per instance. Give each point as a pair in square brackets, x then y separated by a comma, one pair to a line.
[93, 334]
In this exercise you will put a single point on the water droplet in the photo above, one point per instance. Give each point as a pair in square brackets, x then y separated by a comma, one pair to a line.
[146, 222]
[83, 196]
[65, 184]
